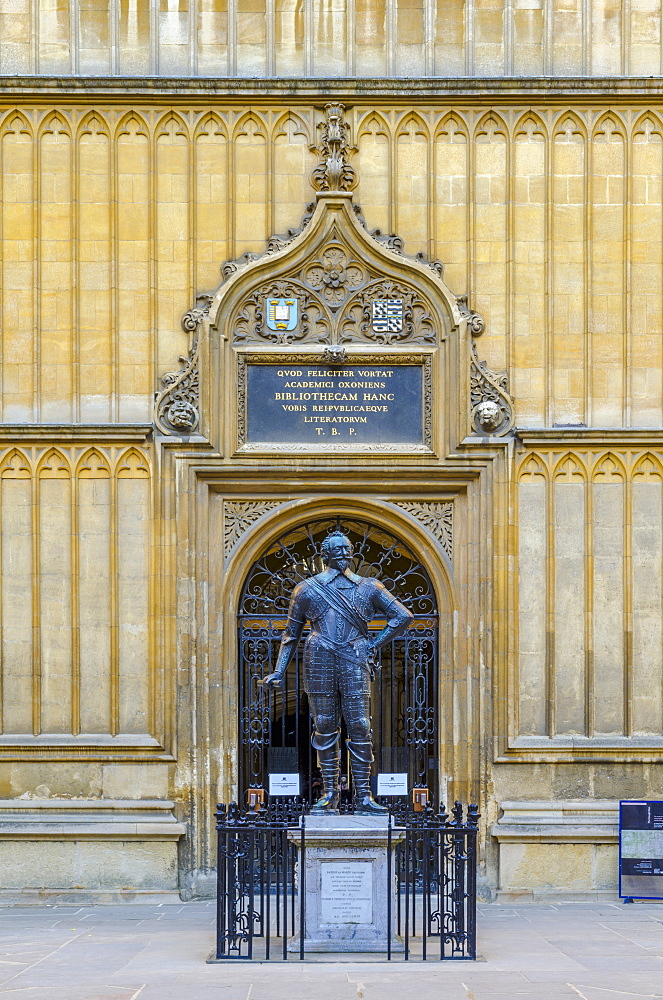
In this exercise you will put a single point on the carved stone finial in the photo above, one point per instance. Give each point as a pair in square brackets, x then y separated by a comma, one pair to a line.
[333, 172]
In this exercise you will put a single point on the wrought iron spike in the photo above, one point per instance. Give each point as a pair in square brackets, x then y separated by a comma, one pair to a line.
[221, 815]
[473, 814]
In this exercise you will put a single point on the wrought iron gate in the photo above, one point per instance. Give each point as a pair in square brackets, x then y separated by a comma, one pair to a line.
[274, 726]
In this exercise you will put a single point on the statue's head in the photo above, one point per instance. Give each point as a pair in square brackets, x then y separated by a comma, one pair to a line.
[336, 550]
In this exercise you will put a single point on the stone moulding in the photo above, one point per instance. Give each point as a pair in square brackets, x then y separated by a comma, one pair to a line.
[239, 516]
[264, 447]
[89, 819]
[570, 821]
[402, 91]
[437, 516]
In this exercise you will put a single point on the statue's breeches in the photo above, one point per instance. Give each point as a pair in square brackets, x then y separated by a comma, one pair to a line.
[337, 681]
[327, 671]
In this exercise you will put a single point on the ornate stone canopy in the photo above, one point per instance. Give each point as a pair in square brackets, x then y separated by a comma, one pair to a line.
[326, 276]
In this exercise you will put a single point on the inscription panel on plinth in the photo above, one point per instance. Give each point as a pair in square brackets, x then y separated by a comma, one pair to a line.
[350, 888]
[373, 401]
[346, 892]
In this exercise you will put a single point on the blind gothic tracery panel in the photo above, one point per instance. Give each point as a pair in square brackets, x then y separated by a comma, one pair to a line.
[274, 727]
[590, 595]
[550, 221]
[75, 528]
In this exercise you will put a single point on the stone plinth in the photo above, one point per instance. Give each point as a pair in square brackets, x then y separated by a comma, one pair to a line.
[347, 884]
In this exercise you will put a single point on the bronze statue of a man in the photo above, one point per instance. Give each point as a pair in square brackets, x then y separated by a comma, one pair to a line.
[339, 660]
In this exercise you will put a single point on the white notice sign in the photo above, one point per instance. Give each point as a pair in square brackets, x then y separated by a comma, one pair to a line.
[392, 784]
[284, 784]
[346, 892]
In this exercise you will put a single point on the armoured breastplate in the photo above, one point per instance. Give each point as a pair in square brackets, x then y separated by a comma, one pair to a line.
[327, 621]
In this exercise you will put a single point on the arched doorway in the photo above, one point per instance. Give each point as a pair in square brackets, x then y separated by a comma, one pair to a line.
[274, 727]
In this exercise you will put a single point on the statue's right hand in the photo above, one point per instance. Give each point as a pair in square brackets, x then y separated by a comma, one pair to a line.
[272, 680]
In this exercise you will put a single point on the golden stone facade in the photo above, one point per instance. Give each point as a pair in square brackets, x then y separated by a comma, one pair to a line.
[124, 545]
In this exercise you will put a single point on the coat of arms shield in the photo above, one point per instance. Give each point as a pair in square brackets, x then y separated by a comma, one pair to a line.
[281, 314]
[387, 315]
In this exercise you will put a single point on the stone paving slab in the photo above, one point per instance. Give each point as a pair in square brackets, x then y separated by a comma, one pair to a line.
[561, 951]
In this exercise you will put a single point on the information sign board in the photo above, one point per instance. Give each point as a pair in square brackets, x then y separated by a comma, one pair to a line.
[392, 783]
[284, 784]
[641, 849]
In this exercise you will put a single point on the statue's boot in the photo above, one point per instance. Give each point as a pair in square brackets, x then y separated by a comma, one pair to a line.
[329, 760]
[361, 757]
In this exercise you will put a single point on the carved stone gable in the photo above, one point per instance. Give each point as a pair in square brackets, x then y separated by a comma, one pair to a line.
[333, 283]
[334, 292]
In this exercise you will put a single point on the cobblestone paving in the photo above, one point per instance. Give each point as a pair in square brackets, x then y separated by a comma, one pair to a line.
[603, 951]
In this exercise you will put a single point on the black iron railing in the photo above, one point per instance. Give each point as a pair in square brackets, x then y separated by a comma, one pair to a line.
[261, 901]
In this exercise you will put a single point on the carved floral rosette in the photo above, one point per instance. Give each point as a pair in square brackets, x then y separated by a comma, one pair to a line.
[335, 275]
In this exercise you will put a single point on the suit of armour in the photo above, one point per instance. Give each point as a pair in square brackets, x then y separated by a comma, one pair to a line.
[337, 666]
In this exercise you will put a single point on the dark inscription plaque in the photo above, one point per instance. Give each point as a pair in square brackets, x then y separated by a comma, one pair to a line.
[363, 404]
